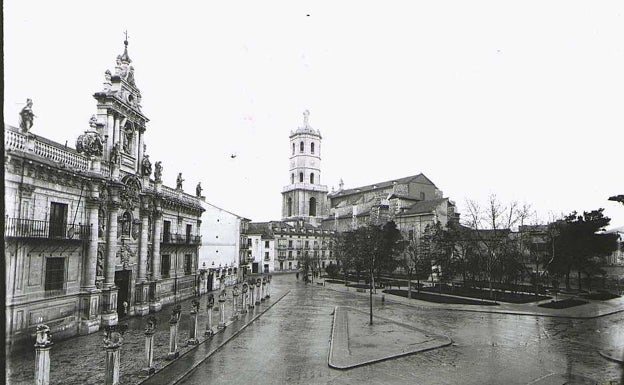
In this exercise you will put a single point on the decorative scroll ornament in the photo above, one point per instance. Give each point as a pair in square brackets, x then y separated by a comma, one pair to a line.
[125, 254]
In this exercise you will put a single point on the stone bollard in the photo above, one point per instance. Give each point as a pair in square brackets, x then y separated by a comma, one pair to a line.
[113, 336]
[258, 283]
[42, 355]
[193, 340]
[173, 333]
[263, 294]
[150, 330]
[252, 289]
[244, 298]
[234, 303]
[209, 306]
[221, 310]
[268, 289]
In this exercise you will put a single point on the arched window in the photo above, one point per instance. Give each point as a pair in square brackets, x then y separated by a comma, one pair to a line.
[312, 147]
[289, 207]
[312, 207]
[312, 178]
[292, 178]
[301, 147]
[293, 149]
[301, 177]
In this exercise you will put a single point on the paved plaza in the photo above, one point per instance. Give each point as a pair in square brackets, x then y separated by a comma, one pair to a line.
[290, 344]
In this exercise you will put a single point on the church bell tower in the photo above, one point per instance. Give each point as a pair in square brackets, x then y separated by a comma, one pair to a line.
[305, 197]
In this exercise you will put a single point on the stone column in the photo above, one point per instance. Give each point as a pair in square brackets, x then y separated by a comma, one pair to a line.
[89, 296]
[156, 305]
[245, 292]
[173, 333]
[42, 355]
[150, 330]
[112, 343]
[263, 289]
[139, 157]
[235, 303]
[192, 340]
[111, 242]
[90, 265]
[221, 310]
[209, 306]
[110, 133]
[142, 305]
[109, 316]
[258, 297]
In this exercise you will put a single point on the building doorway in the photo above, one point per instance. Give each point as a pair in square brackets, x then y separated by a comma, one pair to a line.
[281, 266]
[122, 281]
[266, 269]
[254, 268]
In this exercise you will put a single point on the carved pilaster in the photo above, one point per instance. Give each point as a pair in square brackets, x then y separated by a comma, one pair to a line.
[111, 242]
[157, 215]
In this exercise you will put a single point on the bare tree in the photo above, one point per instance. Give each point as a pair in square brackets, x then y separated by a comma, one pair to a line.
[491, 225]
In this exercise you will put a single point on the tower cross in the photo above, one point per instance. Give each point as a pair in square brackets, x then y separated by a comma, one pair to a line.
[306, 115]
[126, 34]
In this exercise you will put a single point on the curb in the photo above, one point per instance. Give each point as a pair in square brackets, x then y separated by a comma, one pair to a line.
[384, 358]
[610, 357]
[510, 312]
[180, 377]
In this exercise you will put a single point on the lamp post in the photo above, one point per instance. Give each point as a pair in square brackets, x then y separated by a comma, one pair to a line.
[209, 306]
[244, 298]
[112, 343]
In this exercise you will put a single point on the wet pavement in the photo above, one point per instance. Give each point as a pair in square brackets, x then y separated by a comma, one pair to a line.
[290, 344]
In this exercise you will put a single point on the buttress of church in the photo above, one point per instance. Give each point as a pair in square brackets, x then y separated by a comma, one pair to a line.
[91, 234]
[305, 198]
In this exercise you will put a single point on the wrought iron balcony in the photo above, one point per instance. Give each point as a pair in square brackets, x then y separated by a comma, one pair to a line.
[31, 228]
[180, 239]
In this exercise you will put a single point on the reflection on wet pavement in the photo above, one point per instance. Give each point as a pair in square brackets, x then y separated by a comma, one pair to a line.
[289, 345]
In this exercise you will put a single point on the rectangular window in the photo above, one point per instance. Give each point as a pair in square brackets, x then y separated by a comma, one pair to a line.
[290, 254]
[411, 235]
[266, 256]
[165, 265]
[266, 244]
[54, 274]
[290, 244]
[58, 219]
[289, 265]
[189, 229]
[248, 242]
[166, 231]
[188, 264]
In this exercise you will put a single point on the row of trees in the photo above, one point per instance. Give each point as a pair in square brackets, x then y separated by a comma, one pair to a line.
[483, 249]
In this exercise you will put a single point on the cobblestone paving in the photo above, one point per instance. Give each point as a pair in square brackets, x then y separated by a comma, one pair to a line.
[289, 345]
[81, 360]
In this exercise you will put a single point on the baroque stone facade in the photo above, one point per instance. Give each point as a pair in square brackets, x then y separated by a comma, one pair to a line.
[90, 237]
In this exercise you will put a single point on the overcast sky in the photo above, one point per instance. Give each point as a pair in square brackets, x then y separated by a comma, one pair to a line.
[523, 99]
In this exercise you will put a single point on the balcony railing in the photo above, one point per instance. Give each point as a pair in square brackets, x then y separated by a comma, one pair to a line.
[31, 228]
[180, 239]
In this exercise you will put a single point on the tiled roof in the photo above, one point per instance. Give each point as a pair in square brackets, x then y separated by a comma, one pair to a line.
[377, 186]
[423, 207]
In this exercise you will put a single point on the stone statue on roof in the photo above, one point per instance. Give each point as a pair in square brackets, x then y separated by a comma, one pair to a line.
[27, 116]
[179, 181]
[158, 171]
[198, 190]
[146, 166]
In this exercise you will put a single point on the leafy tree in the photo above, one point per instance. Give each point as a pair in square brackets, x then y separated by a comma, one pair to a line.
[580, 245]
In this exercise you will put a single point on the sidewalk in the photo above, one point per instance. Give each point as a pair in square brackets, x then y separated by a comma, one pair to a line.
[591, 310]
[81, 360]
